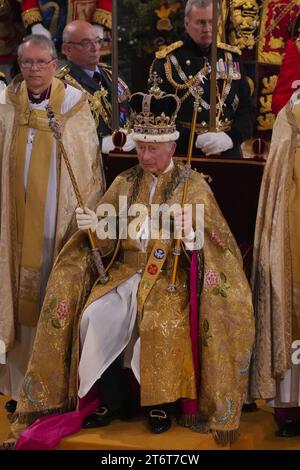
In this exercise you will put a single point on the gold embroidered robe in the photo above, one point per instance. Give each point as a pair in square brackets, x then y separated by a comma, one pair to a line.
[81, 143]
[276, 274]
[226, 318]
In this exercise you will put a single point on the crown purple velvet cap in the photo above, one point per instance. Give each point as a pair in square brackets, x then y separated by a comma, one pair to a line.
[154, 115]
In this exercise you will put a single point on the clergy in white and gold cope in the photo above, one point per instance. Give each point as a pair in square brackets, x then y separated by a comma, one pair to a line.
[275, 371]
[37, 199]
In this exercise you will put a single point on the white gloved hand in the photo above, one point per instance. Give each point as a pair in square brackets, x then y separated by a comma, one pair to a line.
[2, 85]
[129, 144]
[99, 30]
[108, 146]
[86, 219]
[295, 98]
[183, 223]
[40, 29]
[213, 143]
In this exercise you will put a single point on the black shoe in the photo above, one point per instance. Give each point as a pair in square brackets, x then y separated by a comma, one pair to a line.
[159, 421]
[289, 429]
[250, 407]
[11, 406]
[102, 417]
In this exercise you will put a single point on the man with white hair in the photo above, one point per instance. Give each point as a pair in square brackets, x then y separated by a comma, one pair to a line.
[140, 318]
[37, 199]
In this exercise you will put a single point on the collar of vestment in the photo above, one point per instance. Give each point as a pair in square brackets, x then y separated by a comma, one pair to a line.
[166, 170]
[37, 99]
[142, 181]
[37, 118]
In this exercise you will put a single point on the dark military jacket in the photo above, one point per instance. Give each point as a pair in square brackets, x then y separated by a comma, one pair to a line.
[178, 63]
[98, 94]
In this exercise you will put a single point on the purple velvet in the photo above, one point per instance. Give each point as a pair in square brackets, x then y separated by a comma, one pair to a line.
[287, 414]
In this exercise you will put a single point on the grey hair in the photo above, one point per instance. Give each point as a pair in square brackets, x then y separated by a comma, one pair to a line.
[38, 40]
[199, 4]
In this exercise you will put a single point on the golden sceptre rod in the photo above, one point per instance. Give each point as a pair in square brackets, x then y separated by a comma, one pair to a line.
[196, 91]
[55, 127]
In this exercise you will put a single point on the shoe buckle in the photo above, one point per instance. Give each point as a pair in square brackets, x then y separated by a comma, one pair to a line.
[102, 411]
[158, 414]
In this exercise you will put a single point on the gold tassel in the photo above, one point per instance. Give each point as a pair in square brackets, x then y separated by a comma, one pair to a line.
[197, 423]
[31, 16]
[29, 418]
[224, 438]
[103, 18]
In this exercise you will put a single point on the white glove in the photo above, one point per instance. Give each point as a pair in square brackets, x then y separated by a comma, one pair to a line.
[108, 146]
[213, 143]
[99, 30]
[40, 29]
[295, 98]
[183, 223]
[86, 219]
[129, 144]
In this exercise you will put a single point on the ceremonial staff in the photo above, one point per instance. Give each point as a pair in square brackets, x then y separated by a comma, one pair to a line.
[114, 64]
[55, 127]
[213, 71]
[196, 91]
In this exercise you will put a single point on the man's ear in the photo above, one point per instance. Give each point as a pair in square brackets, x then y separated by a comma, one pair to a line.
[65, 48]
[186, 22]
[173, 149]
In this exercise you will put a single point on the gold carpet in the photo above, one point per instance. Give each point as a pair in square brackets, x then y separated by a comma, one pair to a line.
[257, 432]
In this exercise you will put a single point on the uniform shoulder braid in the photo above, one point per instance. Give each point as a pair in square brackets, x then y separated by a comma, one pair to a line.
[229, 48]
[62, 72]
[162, 53]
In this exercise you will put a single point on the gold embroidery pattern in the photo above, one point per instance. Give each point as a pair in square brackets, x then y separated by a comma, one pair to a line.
[244, 18]
[99, 105]
[103, 18]
[31, 16]
[166, 50]
[266, 118]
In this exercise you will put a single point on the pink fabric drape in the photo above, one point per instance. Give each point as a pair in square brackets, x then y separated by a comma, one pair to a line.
[46, 432]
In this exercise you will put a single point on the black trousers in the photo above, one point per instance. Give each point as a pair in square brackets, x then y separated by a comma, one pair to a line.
[113, 386]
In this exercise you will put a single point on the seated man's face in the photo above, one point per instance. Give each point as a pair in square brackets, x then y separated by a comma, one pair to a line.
[198, 25]
[155, 157]
[83, 47]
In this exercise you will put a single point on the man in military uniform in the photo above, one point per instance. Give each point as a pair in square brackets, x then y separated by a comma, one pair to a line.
[50, 18]
[186, 63]
[81, 45]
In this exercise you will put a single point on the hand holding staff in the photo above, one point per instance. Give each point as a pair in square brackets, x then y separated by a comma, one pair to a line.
[55, 127]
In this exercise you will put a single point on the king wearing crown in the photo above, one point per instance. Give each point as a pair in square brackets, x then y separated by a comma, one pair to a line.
[135, 321]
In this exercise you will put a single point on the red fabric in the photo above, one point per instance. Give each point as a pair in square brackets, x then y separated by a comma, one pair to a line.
[105, 5]
[190, 407]
[29, 4]
[288, 76]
